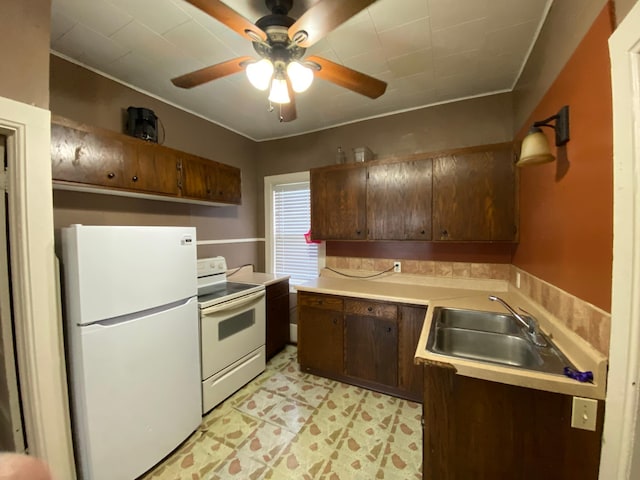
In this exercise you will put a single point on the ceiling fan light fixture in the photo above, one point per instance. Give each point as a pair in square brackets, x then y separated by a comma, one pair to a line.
[301, 77]
[260, 73]
[279, 92]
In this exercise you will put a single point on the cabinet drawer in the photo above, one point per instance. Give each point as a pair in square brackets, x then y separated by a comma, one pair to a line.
[320, 301]
[375, 309]
[277, 289]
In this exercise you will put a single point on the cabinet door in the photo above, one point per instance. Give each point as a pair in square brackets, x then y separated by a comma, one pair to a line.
[154, 169]
[85, 157]
[277, 317]
[399, 201]
[502, 431]
[228, 185]
[320, 333]
[474, 196]
[197, 177]
[338, 203]
[371, 341]
[410, 376]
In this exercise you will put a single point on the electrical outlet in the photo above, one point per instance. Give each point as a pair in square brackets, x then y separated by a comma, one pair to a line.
[584, 413]
[397, 267]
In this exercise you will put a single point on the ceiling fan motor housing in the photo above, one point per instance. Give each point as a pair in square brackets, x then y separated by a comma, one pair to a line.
[281, 7]
[278, 46]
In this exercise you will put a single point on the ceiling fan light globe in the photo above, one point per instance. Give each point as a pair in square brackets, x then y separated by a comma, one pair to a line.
[279, 92]
[260, 73]
[301, 77]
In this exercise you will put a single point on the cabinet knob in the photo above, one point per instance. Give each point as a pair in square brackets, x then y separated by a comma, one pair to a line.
[370, 309]
[388, 329]
[134, 178]
[358, 232]
[335, 321]
[422, 232]
[444, 233]
[111, 175]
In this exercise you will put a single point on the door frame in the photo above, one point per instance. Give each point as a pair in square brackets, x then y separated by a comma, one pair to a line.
[621, 437]
[38, 324]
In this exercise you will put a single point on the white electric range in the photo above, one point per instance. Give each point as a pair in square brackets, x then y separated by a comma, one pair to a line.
[232, 331]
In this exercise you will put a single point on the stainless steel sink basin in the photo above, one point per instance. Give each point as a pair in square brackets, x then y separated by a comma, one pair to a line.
[487, 346]
[491, 337]
[476, 320]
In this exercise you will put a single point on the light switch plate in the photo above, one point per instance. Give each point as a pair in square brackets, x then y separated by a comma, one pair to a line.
[584, 413]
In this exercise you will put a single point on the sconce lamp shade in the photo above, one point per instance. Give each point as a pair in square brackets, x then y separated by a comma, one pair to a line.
[535, 149]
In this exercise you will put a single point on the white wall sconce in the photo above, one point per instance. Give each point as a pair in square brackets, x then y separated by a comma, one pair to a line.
[535, 147]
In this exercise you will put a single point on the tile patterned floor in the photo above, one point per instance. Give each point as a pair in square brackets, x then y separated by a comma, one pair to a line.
[290, 425]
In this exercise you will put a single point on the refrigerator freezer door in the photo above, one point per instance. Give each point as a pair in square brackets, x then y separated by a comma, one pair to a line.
[136, 388]
[113, 271]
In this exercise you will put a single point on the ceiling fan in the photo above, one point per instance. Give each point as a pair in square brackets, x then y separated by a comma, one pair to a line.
[281, 42]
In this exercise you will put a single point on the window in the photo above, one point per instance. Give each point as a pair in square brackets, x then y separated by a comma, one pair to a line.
[288, 214]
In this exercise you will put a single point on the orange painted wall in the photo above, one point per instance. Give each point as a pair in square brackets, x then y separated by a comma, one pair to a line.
[566, 207]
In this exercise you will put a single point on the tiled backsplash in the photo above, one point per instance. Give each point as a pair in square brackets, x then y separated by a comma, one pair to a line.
[586, 320]
[496, 271]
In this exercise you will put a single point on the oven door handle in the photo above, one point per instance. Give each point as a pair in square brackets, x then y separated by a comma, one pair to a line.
[240, 302]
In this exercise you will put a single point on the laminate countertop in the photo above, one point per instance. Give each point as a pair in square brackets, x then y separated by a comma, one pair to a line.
[433, 292]
[258, 278]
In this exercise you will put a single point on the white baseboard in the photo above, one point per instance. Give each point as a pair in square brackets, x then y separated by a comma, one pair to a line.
[293, 333]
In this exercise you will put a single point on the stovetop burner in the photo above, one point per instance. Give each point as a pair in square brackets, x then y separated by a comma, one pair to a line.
[223, 289]
[213, 287]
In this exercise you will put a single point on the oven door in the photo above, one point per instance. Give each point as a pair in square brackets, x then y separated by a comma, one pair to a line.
[230, 330]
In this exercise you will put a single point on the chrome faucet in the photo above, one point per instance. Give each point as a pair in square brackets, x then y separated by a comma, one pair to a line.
[530, 324]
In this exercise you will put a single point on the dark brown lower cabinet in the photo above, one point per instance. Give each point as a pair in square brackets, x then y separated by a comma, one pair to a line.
[320, 334]
[277, 317]
[371, 349]
[410, 320]
[482, 430]
[362, 342]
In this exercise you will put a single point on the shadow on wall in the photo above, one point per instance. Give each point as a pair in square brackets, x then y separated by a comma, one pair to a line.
[562, 162]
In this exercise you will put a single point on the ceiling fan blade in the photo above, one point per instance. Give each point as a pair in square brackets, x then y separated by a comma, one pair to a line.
[323, 17]
[288, 110]
[204, 75]
[232, 19]
[348, 78]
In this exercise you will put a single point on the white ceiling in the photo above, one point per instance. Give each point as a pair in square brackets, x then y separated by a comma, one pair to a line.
[428, 51]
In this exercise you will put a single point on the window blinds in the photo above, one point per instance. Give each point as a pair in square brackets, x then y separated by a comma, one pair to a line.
[292, 218]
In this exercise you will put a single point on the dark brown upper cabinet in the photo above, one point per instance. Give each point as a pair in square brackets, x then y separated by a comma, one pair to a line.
[152, 169]
[86, 157]
[338, 199]
[460, 195]
[399, 200]
[92, 159]
[474, 196]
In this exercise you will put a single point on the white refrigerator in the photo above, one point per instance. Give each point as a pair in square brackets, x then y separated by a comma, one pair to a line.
[131, 325]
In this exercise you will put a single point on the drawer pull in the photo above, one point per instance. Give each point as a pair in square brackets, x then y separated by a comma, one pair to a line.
[370, 309]
[111, 174]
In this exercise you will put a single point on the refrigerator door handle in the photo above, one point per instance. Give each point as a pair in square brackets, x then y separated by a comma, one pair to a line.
[144, 313]
[240, 302]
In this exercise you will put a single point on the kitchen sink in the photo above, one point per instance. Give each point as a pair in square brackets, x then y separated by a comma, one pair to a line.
[476, 320]
[487, 346]
[493, 338]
